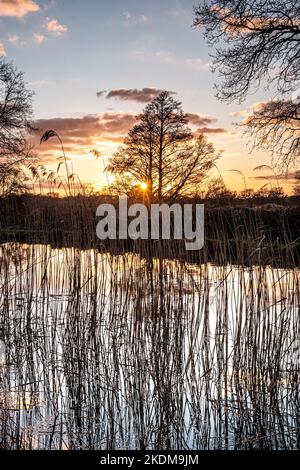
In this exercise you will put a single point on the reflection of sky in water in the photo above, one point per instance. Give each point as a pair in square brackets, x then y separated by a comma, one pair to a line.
[99, 345]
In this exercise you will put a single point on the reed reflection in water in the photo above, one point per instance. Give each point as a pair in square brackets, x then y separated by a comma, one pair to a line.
[99, 351]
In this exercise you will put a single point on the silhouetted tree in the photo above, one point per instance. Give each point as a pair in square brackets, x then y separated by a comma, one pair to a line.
[15, 117]
[273, 194]
[15, 111]
[296, 187]
[217, 189]
[256, 40]
[160, 152]
[123, 186]
[275, 126]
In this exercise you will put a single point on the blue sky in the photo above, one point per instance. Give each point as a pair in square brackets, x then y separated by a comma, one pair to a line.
[71, 49]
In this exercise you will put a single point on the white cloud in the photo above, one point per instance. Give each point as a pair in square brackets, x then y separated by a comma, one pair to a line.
[166, 57]
[197, 64]
[2, 50]
[242, 112]
[258, 106]
[39, 38]
[53, 26]
[145, 54]
[15, 39]
[18, 8]
[130, 19]
[39, 83]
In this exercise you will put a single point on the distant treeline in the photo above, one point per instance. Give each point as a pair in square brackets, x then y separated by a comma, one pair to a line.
[236, 231]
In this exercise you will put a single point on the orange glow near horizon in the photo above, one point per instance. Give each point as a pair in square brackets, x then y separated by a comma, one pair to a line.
[144, 186]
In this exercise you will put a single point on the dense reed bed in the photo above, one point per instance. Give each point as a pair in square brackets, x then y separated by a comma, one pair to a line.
[123, 351]
[235, 233]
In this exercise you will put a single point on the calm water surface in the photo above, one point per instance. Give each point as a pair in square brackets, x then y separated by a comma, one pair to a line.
[117, 352]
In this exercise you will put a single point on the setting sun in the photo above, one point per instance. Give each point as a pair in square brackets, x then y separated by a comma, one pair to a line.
[144, 186]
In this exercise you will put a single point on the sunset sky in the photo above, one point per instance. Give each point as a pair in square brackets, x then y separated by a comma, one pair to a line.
[94, 64]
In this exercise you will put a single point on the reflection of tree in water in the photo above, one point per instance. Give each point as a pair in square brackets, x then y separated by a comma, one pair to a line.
[123, 352]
